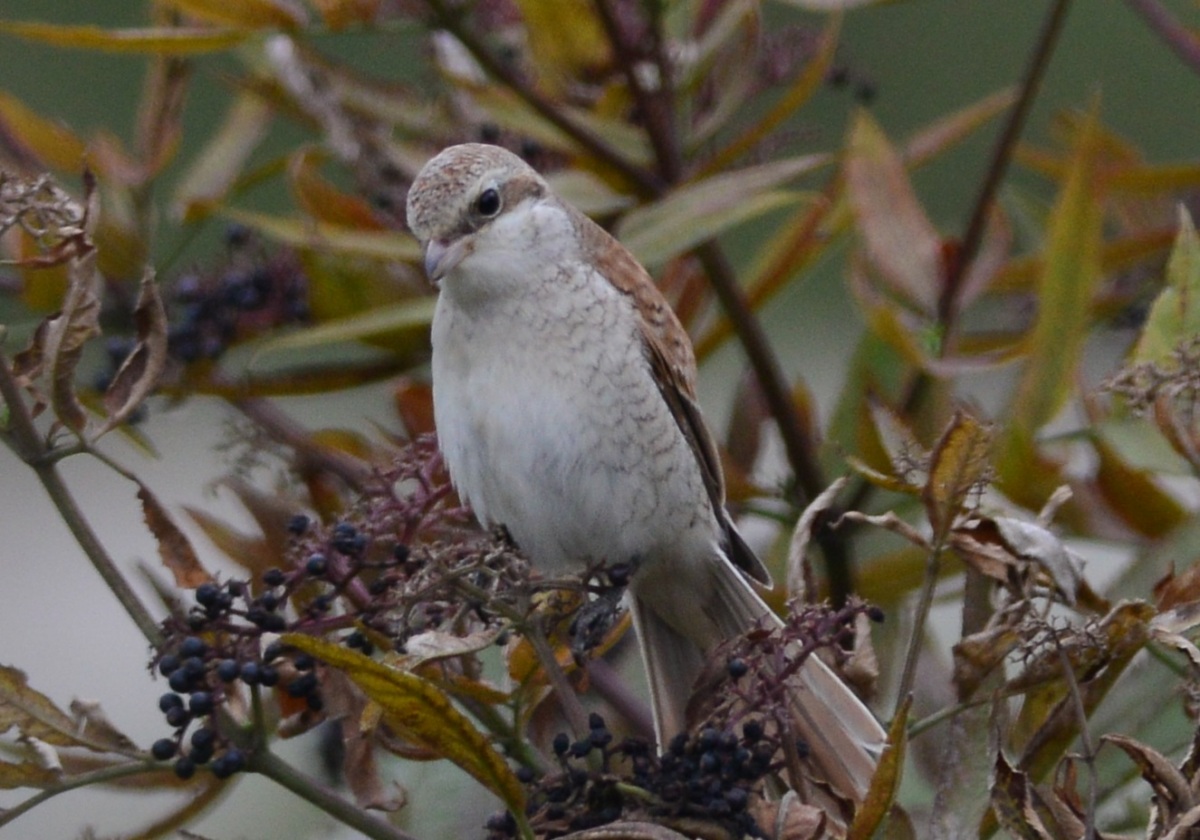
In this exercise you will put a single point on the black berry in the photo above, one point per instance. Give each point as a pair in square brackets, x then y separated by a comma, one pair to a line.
[163, 748]
[185, 768]
[200, 703]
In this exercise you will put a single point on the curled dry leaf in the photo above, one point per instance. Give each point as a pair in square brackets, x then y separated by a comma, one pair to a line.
[346, 704]
[798, 575]
[627, 831]
[790, 819]
[1013, 802]
[139, 373]
[1173, 795]
[94, 724]
[36, 717]
[65, 336]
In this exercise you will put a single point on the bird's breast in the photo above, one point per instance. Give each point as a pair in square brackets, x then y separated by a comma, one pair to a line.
[552, 425]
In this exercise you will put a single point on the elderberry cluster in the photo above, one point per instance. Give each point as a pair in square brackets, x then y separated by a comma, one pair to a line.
[711, 775]
[253, 292]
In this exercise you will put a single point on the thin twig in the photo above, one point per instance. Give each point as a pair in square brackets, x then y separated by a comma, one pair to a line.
[924, 604]
[94, 777]
[1085, 736]
[452, 22]
[32, 448]
[285, 775]
[656, 109]
[1001, 157]
[1179, 38]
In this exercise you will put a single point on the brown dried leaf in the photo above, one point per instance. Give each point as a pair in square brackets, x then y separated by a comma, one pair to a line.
[93, 723]
[1012, 802]
[346, 704]
[173, 545]
[978, 656]
[790, 819]
[27, 774]
[628, 831]
[36, 717]
[888, 521]
[139, 373]
[1034, 543]
[1172, 793]
[958, 465]
[1175, 589]
[32, 712]
[66, 334]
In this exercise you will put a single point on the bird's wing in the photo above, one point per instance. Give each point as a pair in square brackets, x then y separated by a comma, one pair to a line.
[673, 365]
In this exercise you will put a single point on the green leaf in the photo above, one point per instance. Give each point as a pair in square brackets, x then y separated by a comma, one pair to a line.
[701, 210]
[215, 169]
[1175, 316]
[1070, 276]
[373, 323]
[420, 711]
[158, 40]
[306, 233]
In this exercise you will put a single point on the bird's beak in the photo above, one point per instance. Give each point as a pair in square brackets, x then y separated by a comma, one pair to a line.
[442, 258]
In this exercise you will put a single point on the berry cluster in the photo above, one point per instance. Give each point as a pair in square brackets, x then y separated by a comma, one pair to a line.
[712, 776]
[254, 292]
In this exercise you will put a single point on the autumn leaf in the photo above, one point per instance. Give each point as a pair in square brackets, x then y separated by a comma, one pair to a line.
[422, 713]
[174, 548]
[958, 464]
[1175, 315]
[139, 373]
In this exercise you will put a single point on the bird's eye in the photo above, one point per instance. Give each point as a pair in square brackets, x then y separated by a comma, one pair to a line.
[488, 203]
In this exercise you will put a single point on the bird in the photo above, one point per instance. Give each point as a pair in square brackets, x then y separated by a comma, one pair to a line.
[564, 398]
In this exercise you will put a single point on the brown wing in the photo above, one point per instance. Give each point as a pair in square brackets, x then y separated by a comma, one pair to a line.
[673, 363]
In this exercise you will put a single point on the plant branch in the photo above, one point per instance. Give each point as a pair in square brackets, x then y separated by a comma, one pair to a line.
[446, 18]
[798, 445]
[1162, 23]
[909, 676]
[32, 449]
[285, 775]
[1001, 157]
[103, 775]
[656, 110]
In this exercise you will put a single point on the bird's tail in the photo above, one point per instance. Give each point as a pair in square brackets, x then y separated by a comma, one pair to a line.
[843, 737]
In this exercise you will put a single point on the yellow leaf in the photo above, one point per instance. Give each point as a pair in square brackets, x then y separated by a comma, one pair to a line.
[47, 140]
[422, 713]
[182, 40]
[886, 781]
[960, 461]
[566, 38]
[306, 233]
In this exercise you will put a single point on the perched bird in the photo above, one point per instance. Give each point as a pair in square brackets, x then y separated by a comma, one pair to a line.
[564, 399]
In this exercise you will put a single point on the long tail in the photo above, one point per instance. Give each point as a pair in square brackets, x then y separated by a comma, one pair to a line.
[844, 739]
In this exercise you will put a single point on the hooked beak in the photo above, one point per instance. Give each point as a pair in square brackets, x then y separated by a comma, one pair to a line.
[442, 258]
